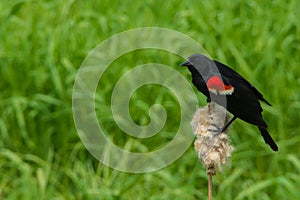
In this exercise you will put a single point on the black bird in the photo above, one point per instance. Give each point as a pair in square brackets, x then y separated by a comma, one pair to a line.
[223, 85]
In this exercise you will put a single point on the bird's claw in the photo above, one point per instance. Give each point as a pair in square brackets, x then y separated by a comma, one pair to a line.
[217, 131]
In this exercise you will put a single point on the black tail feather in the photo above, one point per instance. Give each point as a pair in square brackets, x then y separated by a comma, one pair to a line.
[268, 139]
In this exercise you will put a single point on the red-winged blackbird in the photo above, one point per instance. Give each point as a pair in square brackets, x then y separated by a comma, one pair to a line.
[223, 85]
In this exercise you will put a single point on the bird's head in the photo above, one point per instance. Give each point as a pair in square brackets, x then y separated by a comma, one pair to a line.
[200, 62]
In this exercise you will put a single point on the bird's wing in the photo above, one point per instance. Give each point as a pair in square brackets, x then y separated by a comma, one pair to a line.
[228, 72]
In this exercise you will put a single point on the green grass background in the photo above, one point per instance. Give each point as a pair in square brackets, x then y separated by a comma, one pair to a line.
[42, 44]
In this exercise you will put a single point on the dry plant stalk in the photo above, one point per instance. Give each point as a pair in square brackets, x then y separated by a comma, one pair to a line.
[212, 147]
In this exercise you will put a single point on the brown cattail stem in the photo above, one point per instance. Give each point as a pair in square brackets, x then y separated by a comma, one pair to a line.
[210, 186]
[212, 147]
[210, 172]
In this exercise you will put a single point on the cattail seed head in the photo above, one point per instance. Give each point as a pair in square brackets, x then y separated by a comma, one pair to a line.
[213, 148]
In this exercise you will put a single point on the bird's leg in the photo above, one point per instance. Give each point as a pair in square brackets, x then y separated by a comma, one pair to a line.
[219, 130]
[228, 124]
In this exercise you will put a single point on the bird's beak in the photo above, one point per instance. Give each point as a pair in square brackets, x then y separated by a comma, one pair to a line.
[186, 64]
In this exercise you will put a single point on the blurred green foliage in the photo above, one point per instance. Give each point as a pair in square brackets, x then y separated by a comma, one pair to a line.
[43, 43]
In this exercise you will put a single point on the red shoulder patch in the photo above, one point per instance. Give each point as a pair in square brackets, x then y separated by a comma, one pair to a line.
[216, 85]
